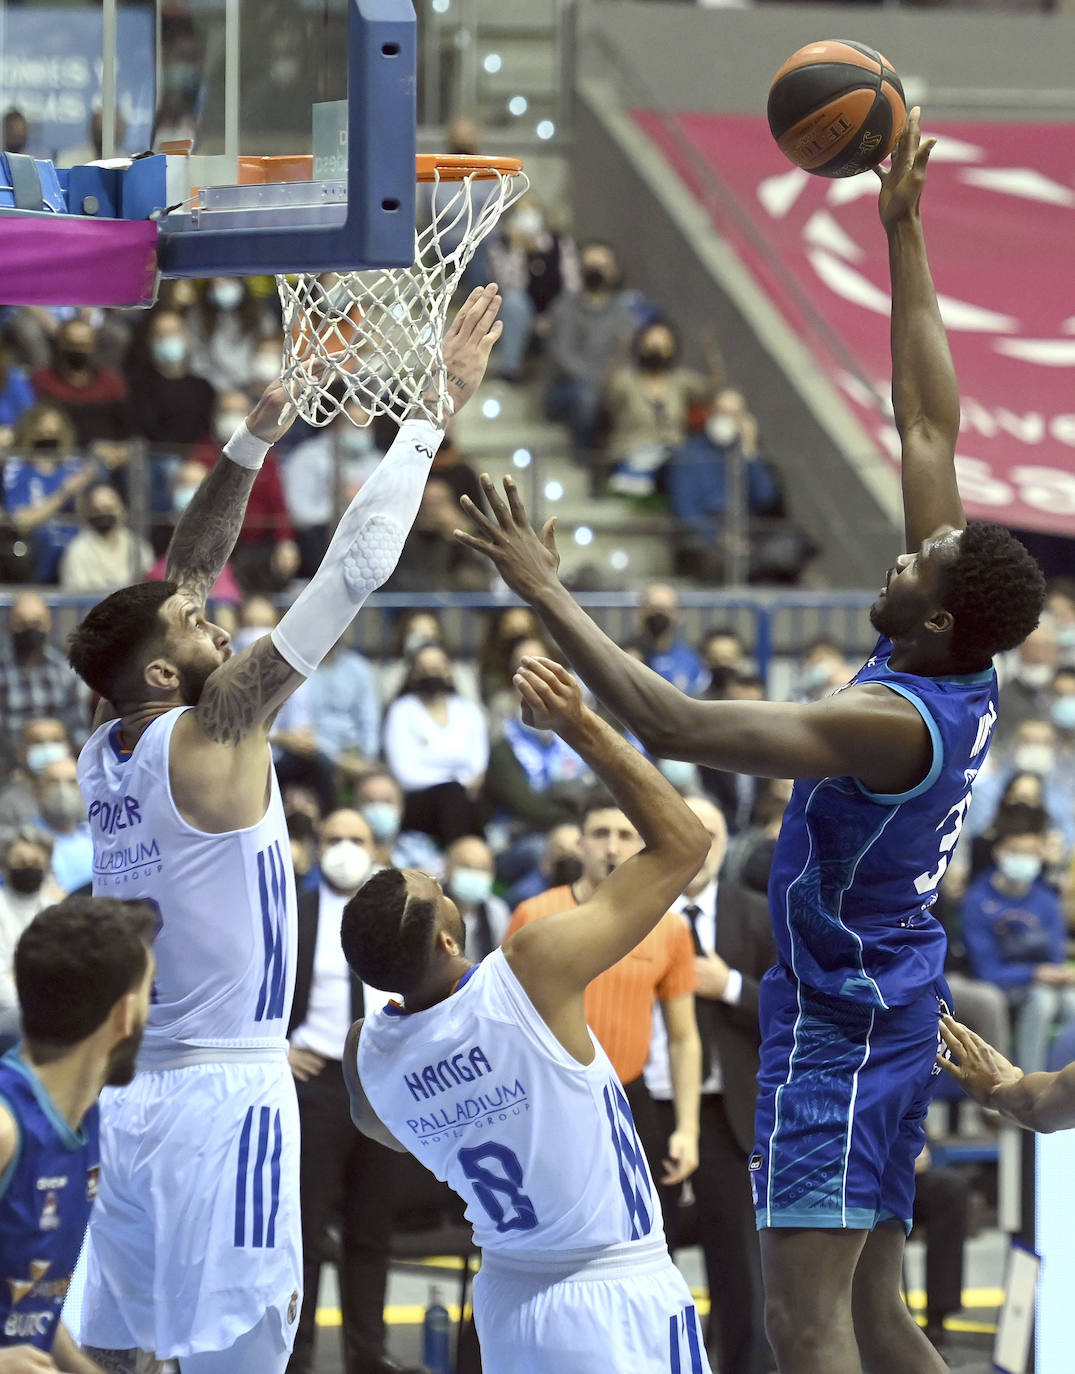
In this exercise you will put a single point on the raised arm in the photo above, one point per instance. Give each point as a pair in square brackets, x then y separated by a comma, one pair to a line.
[205, 534]
[866, 732]
[925, 395]
[1038, 1101]
[557, 957]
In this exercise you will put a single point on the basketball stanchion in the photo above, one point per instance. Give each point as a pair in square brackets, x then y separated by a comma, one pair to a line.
[369, 343]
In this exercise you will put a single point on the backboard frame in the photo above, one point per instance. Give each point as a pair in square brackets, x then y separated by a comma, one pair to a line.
[377, 228]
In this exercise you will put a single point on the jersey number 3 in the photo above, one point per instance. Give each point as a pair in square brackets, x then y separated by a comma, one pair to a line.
[497, 1176]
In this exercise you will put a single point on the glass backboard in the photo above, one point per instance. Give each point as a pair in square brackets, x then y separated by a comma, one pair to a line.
[291, 123]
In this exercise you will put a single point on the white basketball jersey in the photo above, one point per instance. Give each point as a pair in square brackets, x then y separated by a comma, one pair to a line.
[541, 1148]
[226, 947]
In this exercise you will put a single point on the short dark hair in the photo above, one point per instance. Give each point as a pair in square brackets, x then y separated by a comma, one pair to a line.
[112, 645]
[73, 963]
[1019, 818]
[995, 591]
[387, 938]
[596, 800]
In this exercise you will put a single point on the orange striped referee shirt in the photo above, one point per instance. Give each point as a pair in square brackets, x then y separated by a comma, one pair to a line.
[619, 1002]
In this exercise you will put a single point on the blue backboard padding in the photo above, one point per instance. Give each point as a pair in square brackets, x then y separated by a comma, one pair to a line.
[378, 227]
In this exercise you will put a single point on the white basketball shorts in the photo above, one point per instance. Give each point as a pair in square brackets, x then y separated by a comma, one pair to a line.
[196, 1232]
[628, 1313]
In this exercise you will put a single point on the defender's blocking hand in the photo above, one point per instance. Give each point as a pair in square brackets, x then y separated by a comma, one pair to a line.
[552, 699]
[902, 186]
[976, 1066]
[525, 560]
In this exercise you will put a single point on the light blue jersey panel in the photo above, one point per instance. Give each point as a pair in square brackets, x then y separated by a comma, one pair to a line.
[855, 873]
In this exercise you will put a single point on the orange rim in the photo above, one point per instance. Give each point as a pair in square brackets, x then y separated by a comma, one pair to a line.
[458, 166]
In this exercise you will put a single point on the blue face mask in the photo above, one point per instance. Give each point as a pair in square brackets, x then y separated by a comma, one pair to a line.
[383, 819]
[1021, 869]
[1063, 713]
[470, 885]
[169, 349]
[39, 756]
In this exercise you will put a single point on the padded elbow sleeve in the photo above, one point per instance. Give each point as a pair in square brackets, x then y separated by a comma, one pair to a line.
[364, 550]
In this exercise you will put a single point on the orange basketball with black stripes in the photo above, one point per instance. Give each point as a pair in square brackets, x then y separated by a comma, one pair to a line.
[836, 108]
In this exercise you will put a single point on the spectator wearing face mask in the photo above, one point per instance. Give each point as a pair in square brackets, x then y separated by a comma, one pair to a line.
[93, 396]
[663, 650]
[25, 863]
[649, 402]
[36, 680]
[822, 668]
[344, 1177]
[588, 333]
[1033, 768]
[41, 742]
[532, 264]
[1028, 673]
[432, 558]
[436, 743]
[41, 482]
[560, 865]
[227, 325]
[226, 594]
[379, 797]
[16, 395]
[61, 813]
[1013, 926]
[170, 404]
[468, 880]
[105, 555]
[1060, 604]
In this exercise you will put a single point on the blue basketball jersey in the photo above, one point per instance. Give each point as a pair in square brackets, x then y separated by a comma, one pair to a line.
[46, 1194]
[855, 873]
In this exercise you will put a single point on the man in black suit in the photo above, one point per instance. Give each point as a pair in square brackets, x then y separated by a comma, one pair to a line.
[733, 947]
[343, 1175]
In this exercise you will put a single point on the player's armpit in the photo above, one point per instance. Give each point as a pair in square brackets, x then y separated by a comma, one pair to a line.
[244, 694]
[362, 1114]
[9, 1137]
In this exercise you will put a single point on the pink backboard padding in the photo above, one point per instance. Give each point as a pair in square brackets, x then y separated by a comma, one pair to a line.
[73, 260]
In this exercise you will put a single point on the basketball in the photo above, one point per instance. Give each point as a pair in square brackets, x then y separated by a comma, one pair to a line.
[836, 108]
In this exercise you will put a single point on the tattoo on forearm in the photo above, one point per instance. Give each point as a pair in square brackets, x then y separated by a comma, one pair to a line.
[237, 698]
[207, 530]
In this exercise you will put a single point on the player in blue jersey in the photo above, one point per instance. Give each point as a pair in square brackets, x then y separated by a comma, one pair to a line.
[489, 1075]
[83, 971]
[884, 770]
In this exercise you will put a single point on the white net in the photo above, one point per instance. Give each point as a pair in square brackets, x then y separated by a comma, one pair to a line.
[369, 343]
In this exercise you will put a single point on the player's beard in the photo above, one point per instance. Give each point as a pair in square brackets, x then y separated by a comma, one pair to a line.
[121, 1062]
[192, 679]
[896, 619]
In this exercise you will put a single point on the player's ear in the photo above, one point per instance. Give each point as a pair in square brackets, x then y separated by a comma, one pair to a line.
[940, 622]
[123, 1015]
[161, 674]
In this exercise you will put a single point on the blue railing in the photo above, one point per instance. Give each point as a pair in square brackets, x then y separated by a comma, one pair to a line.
[773, 626]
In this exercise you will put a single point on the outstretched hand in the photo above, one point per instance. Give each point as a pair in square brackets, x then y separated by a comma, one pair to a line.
[903, 184]
[551, 698]
[976, 1066]
[525, 560]
[469, 341]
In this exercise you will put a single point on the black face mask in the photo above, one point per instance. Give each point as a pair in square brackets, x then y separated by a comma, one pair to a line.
[43, 445]
[432, 685]
[75, 358]
[657, 623]
[104, 523]
[28, 641]
[594, 279]
[565, 871]
[26, 879]
[651, 360]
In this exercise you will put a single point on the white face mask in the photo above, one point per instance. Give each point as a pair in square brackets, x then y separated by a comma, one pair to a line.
[169, 349]
[1035, 675]
[264, 368]
[1019, 868]
[227, 423]
[226, 295]
[528, 221]
[1033, 758]
[470, 885]
[721, 430]
[346, 865]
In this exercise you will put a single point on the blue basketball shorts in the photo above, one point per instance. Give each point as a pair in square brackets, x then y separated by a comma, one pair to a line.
[842, 1101]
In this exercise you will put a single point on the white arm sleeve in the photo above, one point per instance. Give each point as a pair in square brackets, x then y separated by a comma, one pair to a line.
[364, 550]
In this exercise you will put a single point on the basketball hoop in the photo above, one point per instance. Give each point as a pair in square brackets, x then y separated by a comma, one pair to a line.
[369, 343]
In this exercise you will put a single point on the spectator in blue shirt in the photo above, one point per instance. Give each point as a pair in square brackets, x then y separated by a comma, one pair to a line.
[41, 481]
[346, 708]
[1013, 925]
[660, 646]
[16, 396]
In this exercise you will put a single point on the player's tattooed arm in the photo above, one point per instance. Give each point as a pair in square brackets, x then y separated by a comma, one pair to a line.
[245, 693]
[207, 530]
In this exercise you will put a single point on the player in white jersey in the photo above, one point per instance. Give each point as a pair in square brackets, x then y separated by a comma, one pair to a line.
[488, 1074]
[194, 1251]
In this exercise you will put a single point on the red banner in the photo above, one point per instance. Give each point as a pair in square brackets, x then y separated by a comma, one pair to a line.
[999, 215]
